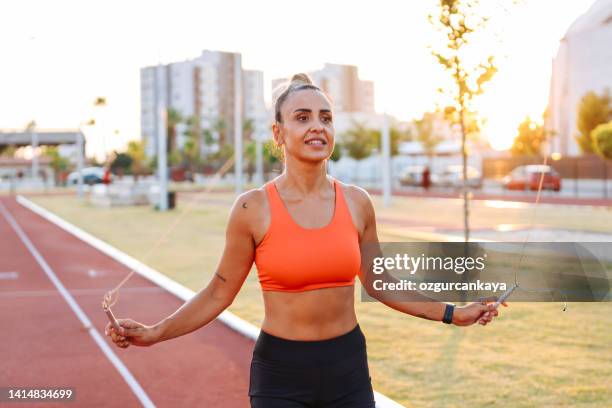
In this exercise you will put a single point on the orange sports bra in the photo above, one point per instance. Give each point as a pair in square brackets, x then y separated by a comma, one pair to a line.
[291, 258]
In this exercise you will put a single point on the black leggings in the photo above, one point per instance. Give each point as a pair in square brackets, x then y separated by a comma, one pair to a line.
[324, 373]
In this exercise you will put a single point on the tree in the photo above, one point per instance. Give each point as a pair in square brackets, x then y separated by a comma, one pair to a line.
[175, 158]
[358, 141]
[121, 163]
[223, 155]
[191, 148]
[8, 151]
[395, 135]
[602, 140]
[151, 163]
[208, 138]
[30, 127]
[427, 133]
[250, 156]
[337, 153]
[250, 147]
[530, 139]
[136, 152]
[457, 21]
[191, 154]
[272, 155]
[216, 133]
[100, 101]
[593, 110]
[94, 162]
[58, 163]
[173, 118]
[220, 129]
[248, 128]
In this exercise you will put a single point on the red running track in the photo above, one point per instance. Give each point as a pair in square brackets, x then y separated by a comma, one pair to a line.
[44, 344]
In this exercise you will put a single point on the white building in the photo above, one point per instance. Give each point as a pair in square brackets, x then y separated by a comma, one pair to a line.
[152, 95]
[347, 91]
[202, 88]
[583, 63]
[352, 98]
[253, 101]
[342, 84]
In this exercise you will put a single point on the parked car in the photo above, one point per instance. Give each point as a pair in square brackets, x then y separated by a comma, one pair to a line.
[528, 178]
[452, 176]
[411, 176]
[91, 175]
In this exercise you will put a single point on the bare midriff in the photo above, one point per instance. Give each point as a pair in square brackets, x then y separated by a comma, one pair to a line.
[319, 314]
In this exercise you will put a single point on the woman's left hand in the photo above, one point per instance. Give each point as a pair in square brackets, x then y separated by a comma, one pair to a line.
[481, 312]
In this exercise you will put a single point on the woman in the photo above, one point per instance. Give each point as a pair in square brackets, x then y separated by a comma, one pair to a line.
[303, 230]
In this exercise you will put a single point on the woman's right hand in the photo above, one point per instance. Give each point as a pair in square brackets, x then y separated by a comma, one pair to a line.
[132, 332]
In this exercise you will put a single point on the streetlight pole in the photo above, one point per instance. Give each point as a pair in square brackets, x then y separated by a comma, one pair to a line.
[162, 157]
[80, 158]
[35, 166]
[386, 161]
[259, 176]
[238, 122]
[101, 102]
[79, 144]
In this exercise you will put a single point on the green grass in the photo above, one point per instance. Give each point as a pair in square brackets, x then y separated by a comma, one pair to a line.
[534, 355]
[485, 214]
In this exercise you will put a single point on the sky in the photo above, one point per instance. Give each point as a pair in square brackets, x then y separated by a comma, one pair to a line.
[57, 57]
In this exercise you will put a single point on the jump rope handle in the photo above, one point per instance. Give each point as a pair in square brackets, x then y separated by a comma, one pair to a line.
[505, 295]
[111, 318]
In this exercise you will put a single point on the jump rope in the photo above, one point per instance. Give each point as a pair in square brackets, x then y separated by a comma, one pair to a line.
[112, 296]
[516, 284]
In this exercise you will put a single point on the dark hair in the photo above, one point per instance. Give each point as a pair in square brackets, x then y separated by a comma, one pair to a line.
[298, 82]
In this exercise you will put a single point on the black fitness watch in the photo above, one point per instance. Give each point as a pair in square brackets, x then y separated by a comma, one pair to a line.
[448, 313]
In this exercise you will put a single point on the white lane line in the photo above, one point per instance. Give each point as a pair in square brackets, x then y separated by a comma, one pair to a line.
[76, 292]
[92, 273]
[241, 326]
[125, 373]
[9, 275]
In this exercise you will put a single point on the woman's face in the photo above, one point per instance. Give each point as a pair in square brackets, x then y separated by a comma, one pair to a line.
[307, 131]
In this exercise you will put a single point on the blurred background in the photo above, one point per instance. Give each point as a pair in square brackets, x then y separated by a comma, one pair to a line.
[108, 70]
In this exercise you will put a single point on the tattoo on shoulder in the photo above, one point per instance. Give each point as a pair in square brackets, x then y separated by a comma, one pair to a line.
[220, 277]
[244, 205]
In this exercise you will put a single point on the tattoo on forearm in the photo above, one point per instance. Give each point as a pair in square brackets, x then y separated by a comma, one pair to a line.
[424, 316]
[220, 277]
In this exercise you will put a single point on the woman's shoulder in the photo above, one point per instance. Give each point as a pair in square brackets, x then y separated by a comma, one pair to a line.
[250, 212]
[359, 204]
[255, 198]
[357, 195]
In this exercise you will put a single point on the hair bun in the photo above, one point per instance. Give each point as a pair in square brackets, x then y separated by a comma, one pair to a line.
[298, 82]
[301, 78]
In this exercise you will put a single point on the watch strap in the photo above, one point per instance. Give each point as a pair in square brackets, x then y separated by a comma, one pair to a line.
[448, 313]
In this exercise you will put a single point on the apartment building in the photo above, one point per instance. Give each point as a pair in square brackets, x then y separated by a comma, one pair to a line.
[342, 84]
[353, 98]
[582, 64]
[202, 88]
